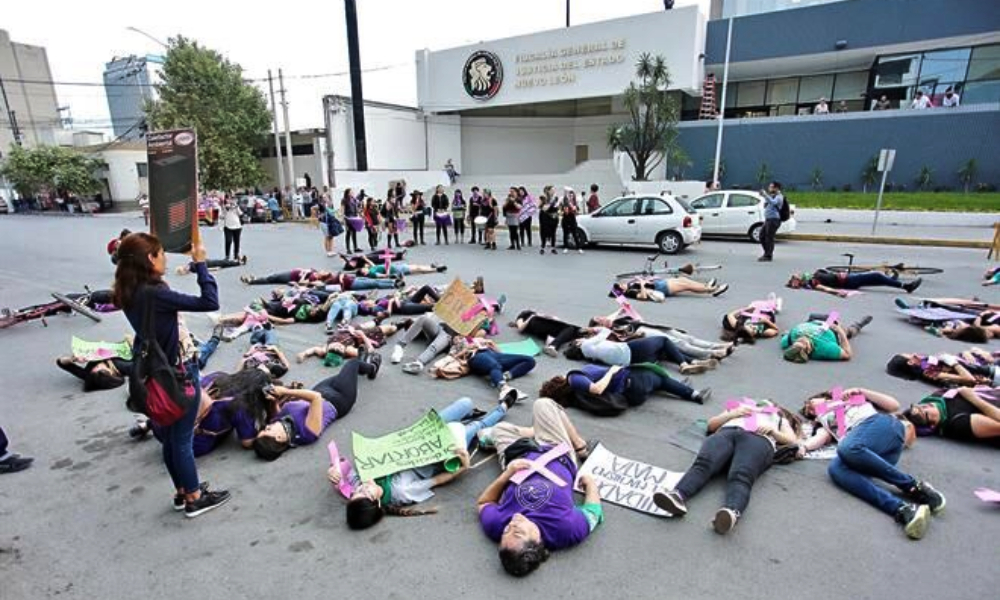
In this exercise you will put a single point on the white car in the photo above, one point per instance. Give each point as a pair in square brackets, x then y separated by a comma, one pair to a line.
[736, 212]
[667, 222]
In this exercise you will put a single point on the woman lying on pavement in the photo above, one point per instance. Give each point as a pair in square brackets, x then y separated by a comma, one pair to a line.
[757, 320]
[744, 438]
[305, 414]
[819, 339]
[600, 348]
[966, 414]
[627, 328]
[841, 284]
[400, 269]
[658, 290]
[213, 265]
[353, 341]
[980, 330]
[298, 276]
[946, 370]
[485, 359]
[104, 374]
[357, 261]
[410, 303]
[553, 332]
[869, 445]
[632, 384]
[390, 495]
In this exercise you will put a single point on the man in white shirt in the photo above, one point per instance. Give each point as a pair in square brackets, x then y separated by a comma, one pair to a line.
[822, 108]
[920, 101]
[950, 99]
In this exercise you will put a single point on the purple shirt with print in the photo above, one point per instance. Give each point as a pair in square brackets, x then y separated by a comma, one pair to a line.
[298, 410]
[544, 503]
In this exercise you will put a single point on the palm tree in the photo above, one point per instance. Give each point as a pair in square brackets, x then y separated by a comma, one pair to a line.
[869, 175]
[967, 172]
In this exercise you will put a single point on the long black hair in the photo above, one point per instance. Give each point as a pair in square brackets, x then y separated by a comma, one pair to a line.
[246, 388]
[363, 512]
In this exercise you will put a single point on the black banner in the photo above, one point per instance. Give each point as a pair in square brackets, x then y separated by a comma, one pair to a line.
[173, 187]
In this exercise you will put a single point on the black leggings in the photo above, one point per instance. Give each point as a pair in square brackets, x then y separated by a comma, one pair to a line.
[341, 390]
[525, 230]
[515, 240]
[351, 237]
[643, 382]
[459, 227]
[233, 239]
[423, 293]
[547, 231]
[440, 228]
[373, 237]
[418, 228]
[570, 229]
[545, 327]
[654, 349]
[274, 279]
[748, 456]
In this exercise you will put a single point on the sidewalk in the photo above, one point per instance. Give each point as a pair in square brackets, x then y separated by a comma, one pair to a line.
[968, 237]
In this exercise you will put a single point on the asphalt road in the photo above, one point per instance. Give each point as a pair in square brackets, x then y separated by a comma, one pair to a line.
[92, 518]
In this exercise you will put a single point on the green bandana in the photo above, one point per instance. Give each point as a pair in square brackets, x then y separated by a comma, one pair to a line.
[332, 360]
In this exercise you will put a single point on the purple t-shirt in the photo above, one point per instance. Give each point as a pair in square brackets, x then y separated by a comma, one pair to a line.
[592, 374]
[544, 503]
[298, 410]
[217, 424]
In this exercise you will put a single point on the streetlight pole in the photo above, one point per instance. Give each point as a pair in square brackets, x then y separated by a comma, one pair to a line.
[567, 13]
[143, 33]
[722, 105]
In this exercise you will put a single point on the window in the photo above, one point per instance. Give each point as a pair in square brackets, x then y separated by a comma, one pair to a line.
[655, 206]
[813, 88]
[944, 67]
[782, 91]
[708, 202]
[850, 86]
[751, 93]
[985, 63]
[624, 208]
[742, 201]
[142, 169]
[981, 91]
[896, 71]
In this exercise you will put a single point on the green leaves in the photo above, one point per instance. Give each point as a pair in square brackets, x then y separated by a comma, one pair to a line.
[203, 90]
[51, 168]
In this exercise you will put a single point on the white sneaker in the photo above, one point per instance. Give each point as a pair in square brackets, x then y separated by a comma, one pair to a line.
[565, 250]
[397, 354]
[580, 250]
[413, 367]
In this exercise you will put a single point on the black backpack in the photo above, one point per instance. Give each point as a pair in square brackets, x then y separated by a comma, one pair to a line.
[785, 212]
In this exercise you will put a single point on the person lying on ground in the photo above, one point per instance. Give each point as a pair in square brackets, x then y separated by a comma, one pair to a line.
[601, 349]
[345, 282]
[400, 269]
[249, 320]
[353, 341]
[299, 276]
[841, 284]
[342, 307]
[553, 332]
[742, 441]
[657, 290]
[213, 265]
[757, 320]
[392, 494]
[816, 339]
[439, 337]
[264, 354]
[946, 370]
[104, 374]
[869, 445]
[484, 358]
[634, 385]
[628, 327]
[971, 306]
[531, 517]
[411, 302]
[966, 414]
[305, 414]
[357, 261]
[982, 329]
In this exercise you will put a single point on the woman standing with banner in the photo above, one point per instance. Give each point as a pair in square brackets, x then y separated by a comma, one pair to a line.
[138, 289]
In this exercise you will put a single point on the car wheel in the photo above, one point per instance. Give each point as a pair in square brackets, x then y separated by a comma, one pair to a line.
[670, 242]
[755, 233]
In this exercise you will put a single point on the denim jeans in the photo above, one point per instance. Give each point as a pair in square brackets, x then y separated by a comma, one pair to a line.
[368, 283]
[494, 364]
[341, 307]
[748, 456]
[206, 350]
[872, 449]
[178, 440]
[643, 382]
[264, 335]
[458, 409]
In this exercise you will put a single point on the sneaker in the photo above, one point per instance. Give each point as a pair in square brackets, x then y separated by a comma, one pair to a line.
[542, 251]
[485, 439]
[909, 287]
[692, 369]
[914, 518]
[413, 368]
[397, 354]
[712, 282]
[671, 503]
[924, 493]
[206, 502]
[554, 251]
[701, 396]
[218, 330]
[764, 259]
[720, 290]
[864, 322]
[442, 268]
[580, 250]
[501, 303]
[179, 498]
[15, 463]
[508, 397]
[403, 324]
[901, 303]
[139, 431]
[724, 521]
[375, 360]
[565, 251]
[551, 351]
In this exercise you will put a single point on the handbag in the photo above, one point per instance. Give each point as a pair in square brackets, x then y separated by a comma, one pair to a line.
[449, 367]
[157, 389]
[335, 226]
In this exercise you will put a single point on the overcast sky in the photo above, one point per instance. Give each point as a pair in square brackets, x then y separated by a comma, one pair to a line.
[304, 37]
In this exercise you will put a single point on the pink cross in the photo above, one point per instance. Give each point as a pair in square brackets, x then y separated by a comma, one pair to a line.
[831, 320]
[760, 308]
[387, 255]
[625, 305]
[839, 405]
[539, 466]
[750, 421]
[484, 305]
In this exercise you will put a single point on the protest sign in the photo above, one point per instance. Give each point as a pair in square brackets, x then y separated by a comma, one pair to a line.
[627, 482]
[426, 442]
[526, 347]
[458, 308]
[90, 351]
[172, 157]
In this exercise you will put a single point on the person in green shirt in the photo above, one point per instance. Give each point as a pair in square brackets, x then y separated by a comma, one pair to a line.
[817, 340]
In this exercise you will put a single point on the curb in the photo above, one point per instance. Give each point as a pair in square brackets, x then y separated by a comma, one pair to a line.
[889, 241]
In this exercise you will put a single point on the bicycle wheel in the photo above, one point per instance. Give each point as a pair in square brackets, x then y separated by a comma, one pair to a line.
[77, 307]
[848, 269]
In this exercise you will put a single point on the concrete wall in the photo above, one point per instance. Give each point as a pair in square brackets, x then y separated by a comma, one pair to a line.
[500, 146]
[34, 104]
[124, 182]
[840, 145]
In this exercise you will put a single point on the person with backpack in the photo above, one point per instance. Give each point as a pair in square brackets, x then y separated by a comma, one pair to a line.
[775, 211]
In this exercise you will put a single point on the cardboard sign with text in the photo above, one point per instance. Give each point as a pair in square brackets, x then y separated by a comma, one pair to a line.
[627, 482]
[173, 187]
[455, 306]
[426, 442]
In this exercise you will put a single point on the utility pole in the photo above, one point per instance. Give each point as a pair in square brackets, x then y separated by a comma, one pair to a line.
[10, 114]
[277, 141]
[288, 135]
[357, 97]
[567, 13]
[722, 106]
[331, 176]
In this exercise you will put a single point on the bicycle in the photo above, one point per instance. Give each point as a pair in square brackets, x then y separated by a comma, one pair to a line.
[650, 270]
[889, 269]
[64, 303]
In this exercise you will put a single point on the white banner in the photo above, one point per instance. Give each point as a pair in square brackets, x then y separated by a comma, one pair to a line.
[627, 482]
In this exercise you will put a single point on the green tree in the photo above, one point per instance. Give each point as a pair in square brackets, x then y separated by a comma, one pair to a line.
[678, 161]
[710, 170]
[967, 173]
[205, 91]
[51, 169]
[925, 178]
[869, 174]
[651, 131]
[816, 179]
[763, 174]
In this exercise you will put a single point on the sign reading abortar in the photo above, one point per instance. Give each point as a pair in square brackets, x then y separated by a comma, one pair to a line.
[426, 442]
[173, 187]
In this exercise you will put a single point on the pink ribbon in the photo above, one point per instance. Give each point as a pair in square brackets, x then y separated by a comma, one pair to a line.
[839, 405]
[345, 487]
[750, 421]
[538, 465]
[484, 304]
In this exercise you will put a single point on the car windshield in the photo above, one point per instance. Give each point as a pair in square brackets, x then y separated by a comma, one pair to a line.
[684, 204]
